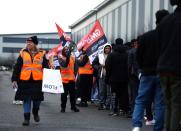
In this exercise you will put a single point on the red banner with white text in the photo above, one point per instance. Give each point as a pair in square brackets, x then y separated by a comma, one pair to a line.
[93, 40]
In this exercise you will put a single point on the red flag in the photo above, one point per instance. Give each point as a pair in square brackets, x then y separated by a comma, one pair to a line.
[93, 40]
[94, 35]
[63, 39]
[63, 36]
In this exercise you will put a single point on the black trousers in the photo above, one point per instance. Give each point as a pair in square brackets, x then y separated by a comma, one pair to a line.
[86, 83]
[133, 86]
[121, 98]
[69, 88]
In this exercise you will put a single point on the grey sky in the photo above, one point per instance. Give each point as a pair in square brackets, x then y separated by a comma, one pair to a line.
[36, 16]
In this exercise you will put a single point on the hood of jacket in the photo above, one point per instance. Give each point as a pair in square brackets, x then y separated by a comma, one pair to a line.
[107, 44]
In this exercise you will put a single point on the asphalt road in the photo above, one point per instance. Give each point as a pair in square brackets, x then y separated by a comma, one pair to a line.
[88, 119]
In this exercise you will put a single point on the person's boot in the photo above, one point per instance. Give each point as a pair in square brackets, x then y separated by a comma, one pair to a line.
[75, 109]
[35, 114]
[62, 110]
[26, 121]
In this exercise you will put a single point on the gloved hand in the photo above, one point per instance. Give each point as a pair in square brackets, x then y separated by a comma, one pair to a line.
[14, 85]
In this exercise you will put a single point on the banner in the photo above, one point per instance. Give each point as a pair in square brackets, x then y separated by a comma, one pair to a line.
[93, 40]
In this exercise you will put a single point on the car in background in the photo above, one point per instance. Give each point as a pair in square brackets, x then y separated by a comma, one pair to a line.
[3, 68]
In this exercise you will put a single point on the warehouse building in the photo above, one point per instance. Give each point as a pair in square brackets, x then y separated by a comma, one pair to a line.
[120, 18]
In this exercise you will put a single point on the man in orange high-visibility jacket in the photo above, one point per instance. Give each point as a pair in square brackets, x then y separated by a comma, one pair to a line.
[27, 77]
[67, 70]
[85, 79]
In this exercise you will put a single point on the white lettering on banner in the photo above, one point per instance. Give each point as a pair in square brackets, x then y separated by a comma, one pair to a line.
[95, 34]
[97, 45]
[80, 45]
[50, 86]
[100, 49]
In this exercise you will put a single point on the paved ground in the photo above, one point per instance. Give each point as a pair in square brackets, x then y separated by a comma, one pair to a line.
[88, 119]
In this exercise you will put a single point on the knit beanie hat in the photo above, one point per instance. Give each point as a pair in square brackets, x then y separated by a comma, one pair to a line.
[34, 39]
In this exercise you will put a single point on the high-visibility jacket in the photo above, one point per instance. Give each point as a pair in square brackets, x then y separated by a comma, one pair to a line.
[67, 73]
[31, 66]
[86, 69]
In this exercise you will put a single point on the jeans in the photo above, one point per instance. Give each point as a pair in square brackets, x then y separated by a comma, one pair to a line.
[94, 92]
[102, 90]
[172, 93]
[27, 105]
[148, 85]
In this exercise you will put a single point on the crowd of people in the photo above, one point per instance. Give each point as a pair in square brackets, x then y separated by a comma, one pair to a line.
[140, 79]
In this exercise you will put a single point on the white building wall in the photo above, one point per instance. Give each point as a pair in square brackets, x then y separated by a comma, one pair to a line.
[124, 18]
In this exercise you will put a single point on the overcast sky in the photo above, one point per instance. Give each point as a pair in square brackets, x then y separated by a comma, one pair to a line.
[39, 16]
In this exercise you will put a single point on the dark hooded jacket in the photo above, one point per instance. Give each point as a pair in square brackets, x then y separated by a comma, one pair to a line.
[117, 65]
[169, 32]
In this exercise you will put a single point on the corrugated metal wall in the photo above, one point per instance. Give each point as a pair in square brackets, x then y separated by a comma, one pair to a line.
[129, 20]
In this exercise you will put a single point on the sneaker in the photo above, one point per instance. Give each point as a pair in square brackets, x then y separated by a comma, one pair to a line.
[75, 109]
[78, 99]
[136, 129]
[17, 102]
[102, 107]
[14, 102]
[20, 103]
[145, 118]
[150, 123]
[82, 104]
[113, 114]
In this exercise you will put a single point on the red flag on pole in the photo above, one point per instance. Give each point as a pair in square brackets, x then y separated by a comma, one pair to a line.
[93, 40]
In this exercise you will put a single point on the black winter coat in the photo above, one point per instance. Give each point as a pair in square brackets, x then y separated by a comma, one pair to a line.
[147, 53]
[97, 67]
[169, 32]
[29, 88]
[117, 66]
[133, 68]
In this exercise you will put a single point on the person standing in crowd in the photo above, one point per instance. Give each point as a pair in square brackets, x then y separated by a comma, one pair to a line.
[133, 71]
[104, 89]
[147, 57]
[116, 66]
[85, 71]
[27, 77]
[68, 72]
[169, 65]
